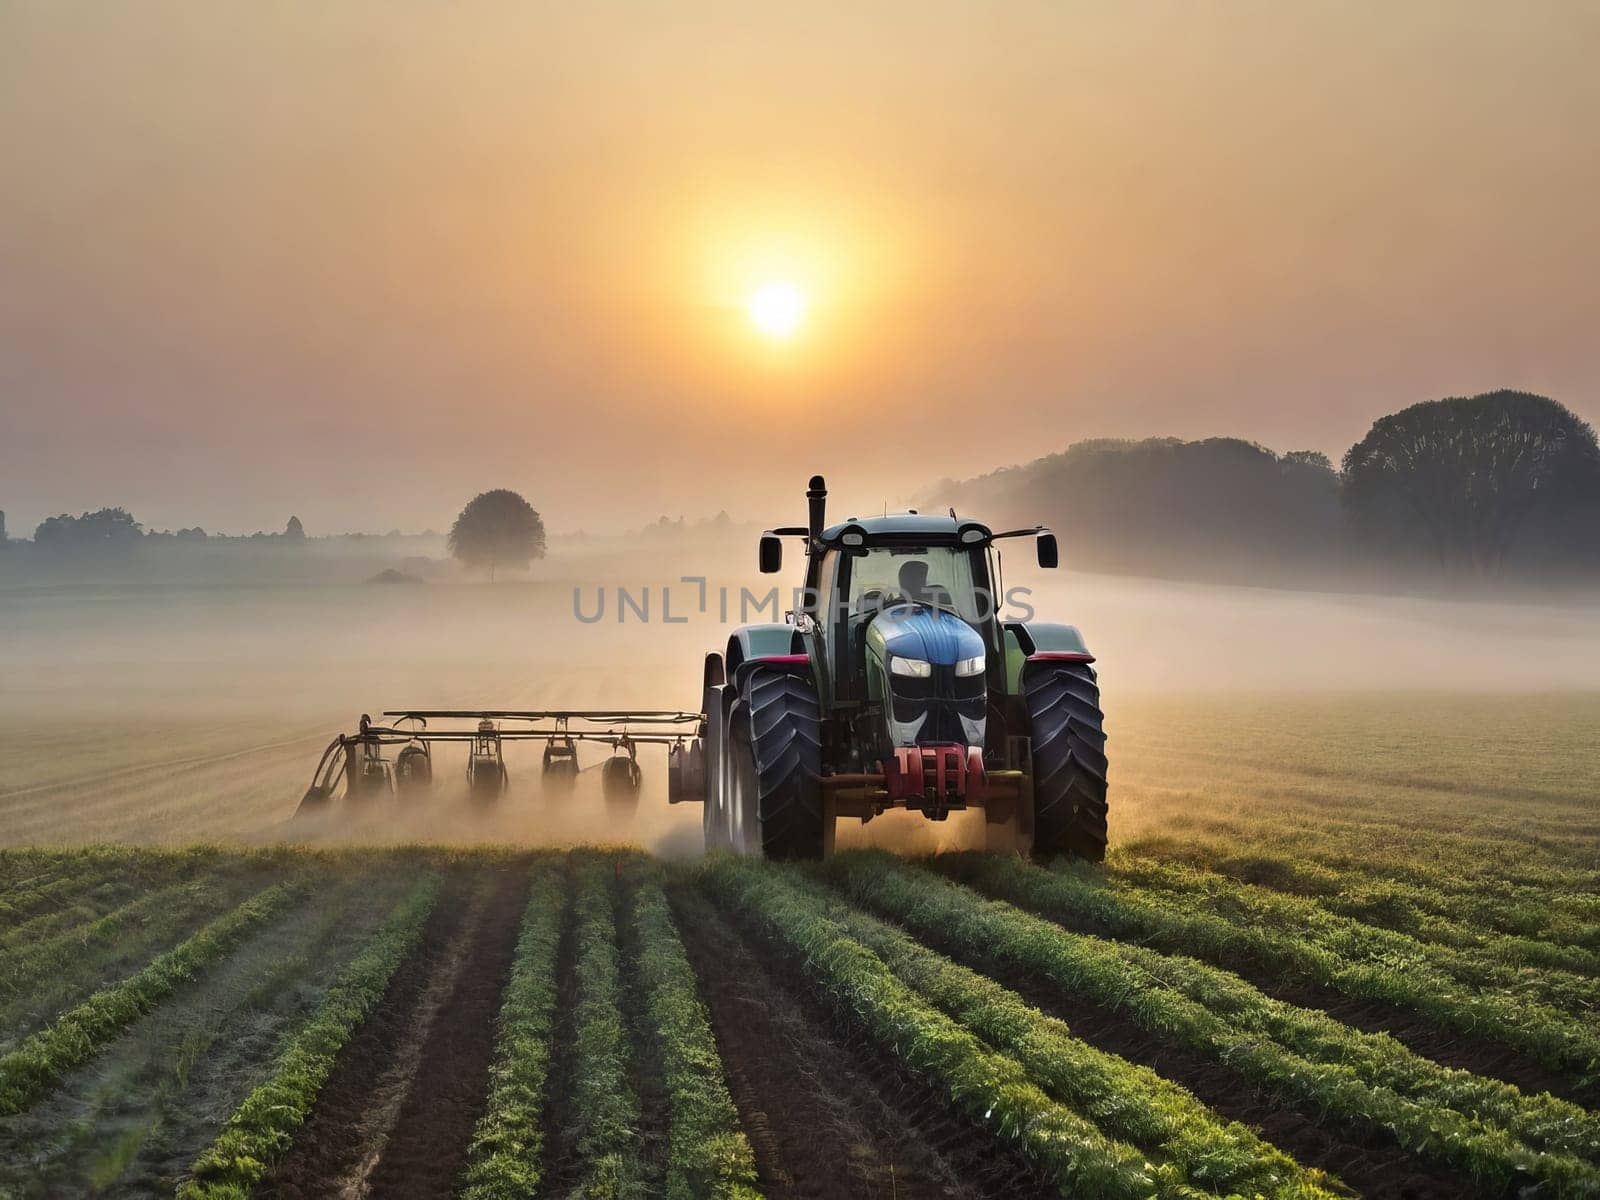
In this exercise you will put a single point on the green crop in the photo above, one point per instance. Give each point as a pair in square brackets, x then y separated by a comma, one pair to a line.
[1474, 990]
[505, 1160]
[990, 1087]
[1305, 1058]
[264, 1124]
[707, 1154]
[1126, 1101]
[606, 1111]
[35, 1066]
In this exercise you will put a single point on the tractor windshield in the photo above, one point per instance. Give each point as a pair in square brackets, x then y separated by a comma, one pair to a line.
[942, 576]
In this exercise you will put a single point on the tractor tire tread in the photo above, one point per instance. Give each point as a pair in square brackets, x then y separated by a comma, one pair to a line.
[786, 740]
[1069, 761]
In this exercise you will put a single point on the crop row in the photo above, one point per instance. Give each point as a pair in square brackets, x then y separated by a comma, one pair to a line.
[264, 1123]
[1331, 957]
[605, 1109]
[1357, 961]
[1482, 1127]
[1516, 926]
[23, 900]
[707, 1154]
[991, 1088]
[40, 1061]
[1466, 879]
[1124, 1100]
[1490, 962]
[152, 917]
[72, 904]
[45, 897]
[506, 1157]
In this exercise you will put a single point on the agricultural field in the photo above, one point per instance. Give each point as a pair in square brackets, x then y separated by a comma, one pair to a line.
[1347, 940]
[1295, 976]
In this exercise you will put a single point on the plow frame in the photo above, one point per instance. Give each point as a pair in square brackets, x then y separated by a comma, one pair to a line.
[357, 759]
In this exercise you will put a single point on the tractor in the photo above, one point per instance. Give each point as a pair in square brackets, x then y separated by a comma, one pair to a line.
[897, 683]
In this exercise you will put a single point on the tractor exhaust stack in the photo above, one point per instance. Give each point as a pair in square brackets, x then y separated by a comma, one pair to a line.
[817, 503]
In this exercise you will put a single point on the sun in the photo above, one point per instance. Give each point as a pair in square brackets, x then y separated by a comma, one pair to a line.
[777, 309]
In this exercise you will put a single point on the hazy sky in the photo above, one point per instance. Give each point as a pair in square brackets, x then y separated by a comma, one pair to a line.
[358, 261]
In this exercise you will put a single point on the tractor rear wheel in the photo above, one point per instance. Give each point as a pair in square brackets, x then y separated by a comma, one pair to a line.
[1069, 760]
[775, 752]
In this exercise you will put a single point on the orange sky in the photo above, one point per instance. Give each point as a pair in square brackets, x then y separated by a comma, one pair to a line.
[360, 261]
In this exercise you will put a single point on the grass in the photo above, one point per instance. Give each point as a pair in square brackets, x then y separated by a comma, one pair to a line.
[263, 1125]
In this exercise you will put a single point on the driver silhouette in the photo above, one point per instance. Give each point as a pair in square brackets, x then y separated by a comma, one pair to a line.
[915, 588]
[914, 582]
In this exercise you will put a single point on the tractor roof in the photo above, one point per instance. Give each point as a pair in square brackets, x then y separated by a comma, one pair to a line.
[906, 524]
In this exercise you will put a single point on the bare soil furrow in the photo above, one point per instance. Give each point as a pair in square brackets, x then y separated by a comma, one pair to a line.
[339, 1146]
[426, 1150]
[827, 1114]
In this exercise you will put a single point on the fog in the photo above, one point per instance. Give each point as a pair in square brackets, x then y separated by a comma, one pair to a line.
[173, 713]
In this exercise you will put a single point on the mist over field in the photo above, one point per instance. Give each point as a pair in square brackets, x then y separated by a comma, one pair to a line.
[171, 713]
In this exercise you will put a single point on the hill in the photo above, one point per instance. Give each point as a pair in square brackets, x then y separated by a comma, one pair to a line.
[1213, 509]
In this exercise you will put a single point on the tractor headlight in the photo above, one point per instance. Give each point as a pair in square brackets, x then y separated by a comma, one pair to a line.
[916, 668]
[968, 667]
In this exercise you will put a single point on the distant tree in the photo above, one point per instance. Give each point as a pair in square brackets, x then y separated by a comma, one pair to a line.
[294, 531]
[497, 529]
[1466, 478]
[105, 529]
[1314, 459]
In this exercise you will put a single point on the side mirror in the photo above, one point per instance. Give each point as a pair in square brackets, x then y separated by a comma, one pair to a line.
[771, 554]
[1049, 554]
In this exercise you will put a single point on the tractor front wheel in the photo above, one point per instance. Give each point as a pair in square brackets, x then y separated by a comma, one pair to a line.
[1069, 760]
[775, 768]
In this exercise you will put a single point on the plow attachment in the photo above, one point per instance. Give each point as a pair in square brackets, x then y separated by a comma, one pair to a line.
[395, 756]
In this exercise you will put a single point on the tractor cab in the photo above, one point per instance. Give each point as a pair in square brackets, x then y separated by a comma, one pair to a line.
[907, 581]
[898, 685]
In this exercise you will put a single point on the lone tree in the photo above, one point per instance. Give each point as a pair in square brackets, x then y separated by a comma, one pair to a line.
[497, 529]
[1470, 477]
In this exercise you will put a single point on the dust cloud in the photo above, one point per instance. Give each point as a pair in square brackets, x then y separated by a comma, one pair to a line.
[172, 714]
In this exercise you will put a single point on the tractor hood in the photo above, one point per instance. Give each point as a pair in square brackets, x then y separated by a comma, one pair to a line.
[929, 634]
[937, 703]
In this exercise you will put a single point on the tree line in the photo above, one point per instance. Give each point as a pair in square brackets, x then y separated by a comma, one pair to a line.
[1499, 486]
[111, 529]
[1503, 485]
[497, 529]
